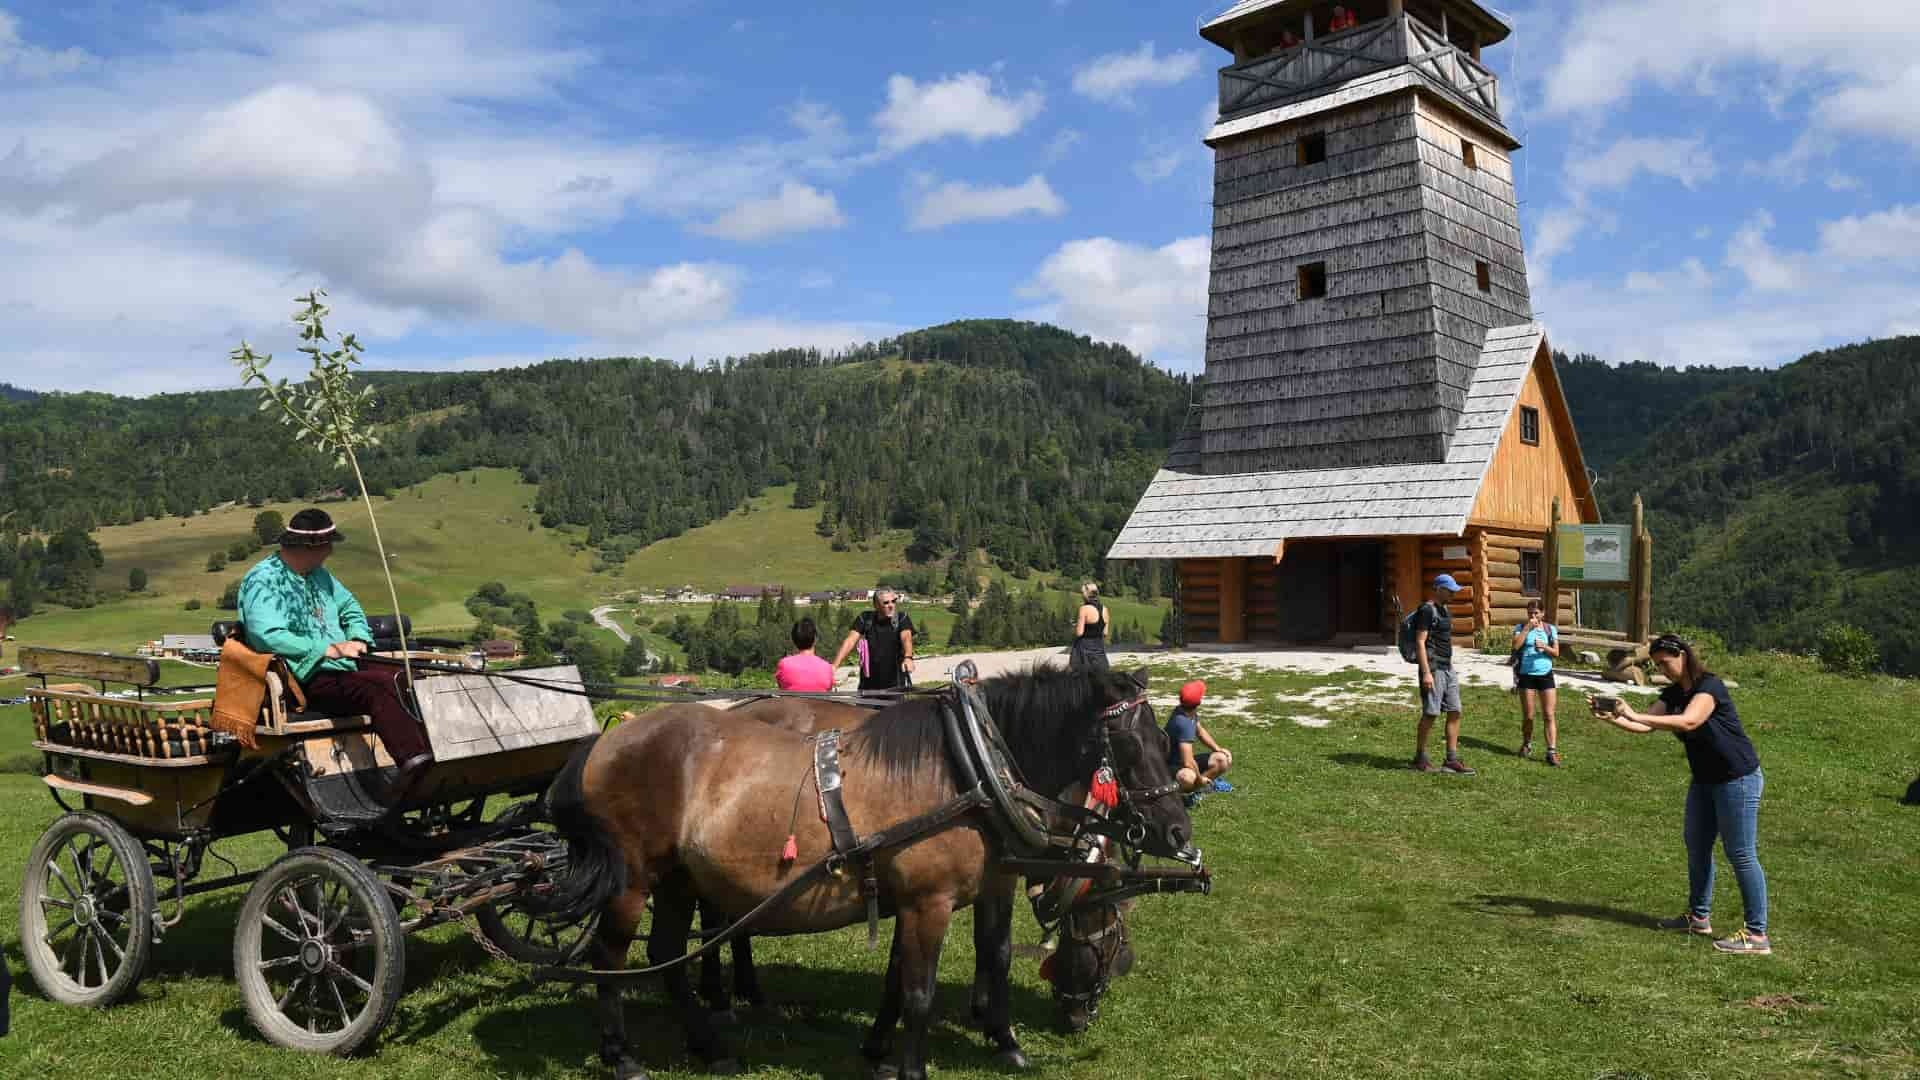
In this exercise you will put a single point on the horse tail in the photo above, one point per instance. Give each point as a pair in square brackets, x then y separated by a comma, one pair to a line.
[596, 870]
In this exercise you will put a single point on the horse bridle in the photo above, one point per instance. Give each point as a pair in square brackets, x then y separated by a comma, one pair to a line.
[1103, 963]
[1132, 797]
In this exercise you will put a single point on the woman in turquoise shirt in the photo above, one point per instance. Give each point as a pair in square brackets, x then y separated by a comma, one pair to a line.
[1538, 642]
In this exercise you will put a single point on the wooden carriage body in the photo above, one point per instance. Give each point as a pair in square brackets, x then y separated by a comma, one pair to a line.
[160, 768]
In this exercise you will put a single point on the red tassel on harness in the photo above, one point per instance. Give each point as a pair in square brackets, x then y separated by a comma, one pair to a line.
[1103, 790]
[791, 851]
[1046, 967]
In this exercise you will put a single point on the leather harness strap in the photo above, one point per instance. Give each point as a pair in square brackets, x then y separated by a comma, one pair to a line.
[846, 843]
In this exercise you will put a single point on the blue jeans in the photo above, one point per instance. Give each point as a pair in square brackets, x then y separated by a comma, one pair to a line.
[1731, 812]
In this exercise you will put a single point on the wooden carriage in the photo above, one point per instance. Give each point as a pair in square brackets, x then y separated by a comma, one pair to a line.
[148, 784]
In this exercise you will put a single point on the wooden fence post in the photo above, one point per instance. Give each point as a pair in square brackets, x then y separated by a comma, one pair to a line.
[1550, 565]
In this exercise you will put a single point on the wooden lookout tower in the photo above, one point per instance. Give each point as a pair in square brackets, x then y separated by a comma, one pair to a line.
[1379, 405]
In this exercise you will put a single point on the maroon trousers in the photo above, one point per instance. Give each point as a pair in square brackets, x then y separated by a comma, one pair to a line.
[377, 693]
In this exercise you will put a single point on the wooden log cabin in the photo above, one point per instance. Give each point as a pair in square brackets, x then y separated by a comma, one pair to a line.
[1379, 405]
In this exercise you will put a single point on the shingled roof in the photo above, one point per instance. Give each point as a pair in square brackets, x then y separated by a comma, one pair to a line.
[1185, 514]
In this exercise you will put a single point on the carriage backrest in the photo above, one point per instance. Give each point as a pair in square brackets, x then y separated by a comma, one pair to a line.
[138, 671]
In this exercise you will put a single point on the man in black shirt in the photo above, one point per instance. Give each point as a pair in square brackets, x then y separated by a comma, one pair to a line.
[1439, 685]
[884, 637]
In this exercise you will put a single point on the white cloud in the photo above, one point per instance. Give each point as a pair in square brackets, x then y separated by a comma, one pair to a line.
[796, 208]
[1691, 275]
[957, 201]
[815, 119]
[26, 61]
[1687, 161]
[1114, 77]
[1891, 235]
[963, 106]
[1766, 268]
[1152, 300]
[1159, 162]
[1063, 143]
[1862, 54]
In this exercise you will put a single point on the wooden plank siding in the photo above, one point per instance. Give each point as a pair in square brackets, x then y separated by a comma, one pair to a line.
[1522, 480]
[1377, 370]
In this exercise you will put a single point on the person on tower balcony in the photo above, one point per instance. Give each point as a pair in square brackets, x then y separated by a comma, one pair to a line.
[1288, 40]
[293, 608]
[1342, 20]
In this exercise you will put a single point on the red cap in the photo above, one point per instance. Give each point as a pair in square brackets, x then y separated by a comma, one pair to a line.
[1191, 693]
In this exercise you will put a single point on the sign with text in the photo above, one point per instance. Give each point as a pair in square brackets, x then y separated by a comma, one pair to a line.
[1596, 553]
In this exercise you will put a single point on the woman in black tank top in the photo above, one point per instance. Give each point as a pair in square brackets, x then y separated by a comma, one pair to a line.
[1089, 649]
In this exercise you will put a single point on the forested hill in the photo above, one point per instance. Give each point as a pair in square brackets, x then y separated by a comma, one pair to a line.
[9, 392]
[1779, 501]
[1615, 407]
[1022, 438]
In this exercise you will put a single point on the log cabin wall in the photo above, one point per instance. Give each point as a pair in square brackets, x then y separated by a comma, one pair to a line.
[1200, 598]
[1453, 555]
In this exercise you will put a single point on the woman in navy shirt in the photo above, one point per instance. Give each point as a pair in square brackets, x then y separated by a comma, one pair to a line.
[1724, 799]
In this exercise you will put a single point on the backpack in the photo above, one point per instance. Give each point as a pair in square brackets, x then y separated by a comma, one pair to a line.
[1409, 649]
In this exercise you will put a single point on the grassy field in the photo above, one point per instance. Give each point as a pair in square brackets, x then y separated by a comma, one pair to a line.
[1367, 921]
[446, 536]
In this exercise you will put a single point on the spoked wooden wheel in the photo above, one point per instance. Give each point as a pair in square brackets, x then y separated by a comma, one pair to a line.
[318, 953]
[86, 911]
[533, 938]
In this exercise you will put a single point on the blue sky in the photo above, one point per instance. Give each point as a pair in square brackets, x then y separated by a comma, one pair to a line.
[480, 184]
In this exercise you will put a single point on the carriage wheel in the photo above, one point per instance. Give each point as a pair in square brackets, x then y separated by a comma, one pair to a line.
[318, 953]
[86, 911]
[532, 938]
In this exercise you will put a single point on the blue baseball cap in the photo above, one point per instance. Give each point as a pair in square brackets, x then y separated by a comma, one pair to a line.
[1445, 581]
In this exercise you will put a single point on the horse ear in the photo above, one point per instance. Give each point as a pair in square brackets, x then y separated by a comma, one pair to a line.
[1139, 677]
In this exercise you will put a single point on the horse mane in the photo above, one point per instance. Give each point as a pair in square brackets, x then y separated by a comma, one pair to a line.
[1045, 716]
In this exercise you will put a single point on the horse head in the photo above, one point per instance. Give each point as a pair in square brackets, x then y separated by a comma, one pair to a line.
[1093, 950]
[1088, 729]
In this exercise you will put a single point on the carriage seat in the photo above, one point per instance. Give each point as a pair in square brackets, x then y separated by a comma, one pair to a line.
[283, 711]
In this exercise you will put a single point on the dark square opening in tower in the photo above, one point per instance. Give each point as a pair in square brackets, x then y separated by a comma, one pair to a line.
[1313, 280]
[1483, 276]
[1311, 149]
[1530, 425]
[1468, 155]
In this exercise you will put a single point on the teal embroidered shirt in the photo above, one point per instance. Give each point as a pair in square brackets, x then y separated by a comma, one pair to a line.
[296, 618]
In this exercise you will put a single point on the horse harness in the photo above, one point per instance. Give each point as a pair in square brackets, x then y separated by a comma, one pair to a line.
[989, 781]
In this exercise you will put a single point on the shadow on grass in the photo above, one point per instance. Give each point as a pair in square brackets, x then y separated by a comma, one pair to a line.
[1542, 908]
[1468, 742]
[817, 1022]
[1369, 761]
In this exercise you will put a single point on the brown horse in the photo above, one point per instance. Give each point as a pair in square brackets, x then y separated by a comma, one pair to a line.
[692, 802]
[1093, 939]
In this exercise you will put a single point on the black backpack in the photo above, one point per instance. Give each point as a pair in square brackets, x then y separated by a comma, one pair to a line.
[1409, 650]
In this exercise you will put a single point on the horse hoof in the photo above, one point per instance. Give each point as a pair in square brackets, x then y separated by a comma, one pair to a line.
[1012, 1059]
[629, 1069]
[725, 1067]
[884, 1071]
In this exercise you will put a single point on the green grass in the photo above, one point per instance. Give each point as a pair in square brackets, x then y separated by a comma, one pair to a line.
[1367, 921]
[447, 536]
[765, 542]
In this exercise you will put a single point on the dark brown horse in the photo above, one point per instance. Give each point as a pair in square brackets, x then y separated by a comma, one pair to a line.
[689, 802]
[1092, 940]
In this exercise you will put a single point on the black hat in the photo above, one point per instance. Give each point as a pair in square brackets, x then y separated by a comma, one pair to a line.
[310, 528]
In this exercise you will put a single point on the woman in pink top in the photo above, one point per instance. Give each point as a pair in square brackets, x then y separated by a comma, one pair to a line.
[801, 670]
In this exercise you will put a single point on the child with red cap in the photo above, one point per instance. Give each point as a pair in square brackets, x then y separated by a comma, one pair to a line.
[1193, 773]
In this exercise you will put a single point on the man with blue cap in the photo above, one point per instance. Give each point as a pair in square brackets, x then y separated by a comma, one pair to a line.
[1439, 685]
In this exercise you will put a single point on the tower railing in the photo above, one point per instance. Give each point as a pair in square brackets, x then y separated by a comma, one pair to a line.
[1312, 67]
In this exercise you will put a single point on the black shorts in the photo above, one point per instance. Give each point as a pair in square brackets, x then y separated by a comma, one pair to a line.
[1534, 682]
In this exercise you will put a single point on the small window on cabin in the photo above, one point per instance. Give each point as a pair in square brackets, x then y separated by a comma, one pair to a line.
[1483, 276]
[1530, 425]
[1311, 149]
[1529, 573]
[1313, 281]
[1467, 154]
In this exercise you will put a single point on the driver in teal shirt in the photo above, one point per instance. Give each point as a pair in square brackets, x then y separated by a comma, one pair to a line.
[293, 608]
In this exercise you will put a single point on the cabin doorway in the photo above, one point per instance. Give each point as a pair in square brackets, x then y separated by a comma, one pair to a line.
[1361, 575]
[1323, 590]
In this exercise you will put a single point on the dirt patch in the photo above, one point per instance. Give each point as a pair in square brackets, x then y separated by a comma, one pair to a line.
[1781, 1003]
